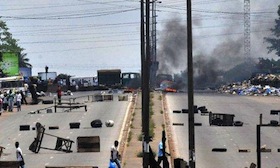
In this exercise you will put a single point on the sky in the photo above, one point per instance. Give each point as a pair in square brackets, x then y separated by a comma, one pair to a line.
[79, 37]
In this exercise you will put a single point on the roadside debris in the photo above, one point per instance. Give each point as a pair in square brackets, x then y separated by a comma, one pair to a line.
[261, 85]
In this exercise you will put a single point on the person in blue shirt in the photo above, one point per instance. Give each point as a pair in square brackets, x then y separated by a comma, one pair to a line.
[160, 152]
[161, 156]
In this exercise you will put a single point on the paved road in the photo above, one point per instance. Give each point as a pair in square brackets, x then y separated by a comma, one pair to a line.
[108, 110]
[246, 109]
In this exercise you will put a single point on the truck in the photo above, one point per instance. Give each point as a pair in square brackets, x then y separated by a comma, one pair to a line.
[109, 78]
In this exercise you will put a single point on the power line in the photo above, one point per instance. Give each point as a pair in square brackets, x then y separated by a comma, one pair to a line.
[70, 16]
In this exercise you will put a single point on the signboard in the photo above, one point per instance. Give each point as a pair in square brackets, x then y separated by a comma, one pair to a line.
[50, 75]
[9, 63]
[25, 72]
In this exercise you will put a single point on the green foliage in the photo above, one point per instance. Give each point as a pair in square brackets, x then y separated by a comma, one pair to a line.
[139, 138]
[268, 65]
[139, 154]
[240, 72]
[129, 136]
[274, 41]
[151, 128]
[9, 44]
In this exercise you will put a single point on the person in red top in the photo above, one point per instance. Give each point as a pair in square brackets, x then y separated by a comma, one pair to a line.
[59, 93]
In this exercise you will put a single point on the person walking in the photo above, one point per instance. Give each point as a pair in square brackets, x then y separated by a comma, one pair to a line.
[23, 95]
[160, 152]
[19, 155]
[59, 94]
[162, 156]
[18, 99]
[5, 101]
[11, 100]
[115, 154]
[1, 103]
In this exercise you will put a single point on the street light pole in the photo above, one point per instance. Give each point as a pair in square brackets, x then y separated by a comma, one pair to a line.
[46, 70]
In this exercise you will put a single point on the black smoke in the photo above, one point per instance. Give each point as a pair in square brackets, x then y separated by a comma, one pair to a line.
[224, 63]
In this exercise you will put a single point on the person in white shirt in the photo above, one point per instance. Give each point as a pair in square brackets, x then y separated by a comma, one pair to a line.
[19, 155]
[18, 99]
[115, 154]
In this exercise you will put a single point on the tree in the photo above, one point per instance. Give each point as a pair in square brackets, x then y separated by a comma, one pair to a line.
[23, 61]
[9, 44]
[275, 41]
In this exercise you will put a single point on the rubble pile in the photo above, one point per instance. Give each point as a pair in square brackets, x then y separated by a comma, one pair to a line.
[259, 85]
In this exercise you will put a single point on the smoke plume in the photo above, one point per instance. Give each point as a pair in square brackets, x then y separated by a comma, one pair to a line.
[227, 53]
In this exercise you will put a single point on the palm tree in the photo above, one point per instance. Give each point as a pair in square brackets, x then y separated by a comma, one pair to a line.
[23, 61]
[9, 44]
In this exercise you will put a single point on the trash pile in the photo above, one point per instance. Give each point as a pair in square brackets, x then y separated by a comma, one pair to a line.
[259, 85]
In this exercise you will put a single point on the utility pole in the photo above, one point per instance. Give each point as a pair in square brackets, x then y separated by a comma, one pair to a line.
[247, 30]
[154, 62]
[259, 165]
[146, 61]
[190, 88]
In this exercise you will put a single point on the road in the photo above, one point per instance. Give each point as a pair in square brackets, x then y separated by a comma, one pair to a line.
[107, 110]
[246, 109]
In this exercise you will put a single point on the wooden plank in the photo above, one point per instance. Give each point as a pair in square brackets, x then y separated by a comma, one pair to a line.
[88, 144]
[24, 127]
[71, 167]
[9, 164]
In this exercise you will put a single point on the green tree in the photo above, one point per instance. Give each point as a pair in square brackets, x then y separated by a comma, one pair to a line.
[24, 61]
[275, 41]
[9, 44]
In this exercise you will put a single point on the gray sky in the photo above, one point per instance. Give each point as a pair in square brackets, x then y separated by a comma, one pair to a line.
[78, 37]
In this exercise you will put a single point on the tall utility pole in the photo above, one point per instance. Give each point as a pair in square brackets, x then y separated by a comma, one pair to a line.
[190, 87]
[247, 30]
[154, 62]
[146, 63]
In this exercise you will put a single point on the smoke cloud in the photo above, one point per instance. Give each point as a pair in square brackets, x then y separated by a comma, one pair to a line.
[172, 52]
[227, 53]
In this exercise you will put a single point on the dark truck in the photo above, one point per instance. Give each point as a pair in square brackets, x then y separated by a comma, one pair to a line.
[109, 78]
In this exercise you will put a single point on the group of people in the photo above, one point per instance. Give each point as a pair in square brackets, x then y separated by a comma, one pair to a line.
[10, 98]
[115, 156]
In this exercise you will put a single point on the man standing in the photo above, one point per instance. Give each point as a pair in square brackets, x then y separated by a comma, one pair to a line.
[19, 155]
[160, 152]
[115, 154]
[162, 155]
[59, 93]
[18, 99]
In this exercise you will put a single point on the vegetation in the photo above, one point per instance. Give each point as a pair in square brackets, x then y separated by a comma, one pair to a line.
[140, 154]
[129, 137]
[151, 123]
[275, 41]
[9, 44]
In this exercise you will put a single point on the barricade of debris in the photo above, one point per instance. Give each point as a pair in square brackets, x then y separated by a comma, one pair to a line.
[264, 85]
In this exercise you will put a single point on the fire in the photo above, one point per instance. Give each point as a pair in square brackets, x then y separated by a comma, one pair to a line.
[170, 90]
